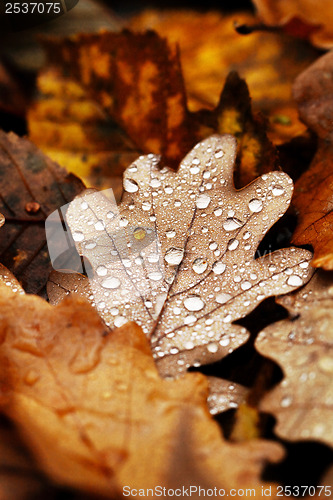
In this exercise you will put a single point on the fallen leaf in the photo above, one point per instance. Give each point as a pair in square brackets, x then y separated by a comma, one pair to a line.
[137, 79]
[233, 115]
[99, 424]
[304, 18]
[75, 131]
[302, 345]
[31, 187]
[177, 257]
[211, 47]
[313, 199]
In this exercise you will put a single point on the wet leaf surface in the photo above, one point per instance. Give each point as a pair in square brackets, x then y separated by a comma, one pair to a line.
[95, 423]
[31, 187]
[302, 402]
[184, 268]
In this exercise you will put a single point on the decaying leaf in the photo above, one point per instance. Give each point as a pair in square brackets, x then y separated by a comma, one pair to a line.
[305, 18]
[178, 256]
[76, 132]
[313, 197]
[138, 81]
[211, 48]
[302, 402]
[31, 187]
[99, 424]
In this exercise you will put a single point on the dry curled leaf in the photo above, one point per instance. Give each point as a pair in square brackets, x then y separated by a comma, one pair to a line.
[313, 197]
[31, 187]
[302, 402]
[305, 18]
[99, 424]
[178, 256]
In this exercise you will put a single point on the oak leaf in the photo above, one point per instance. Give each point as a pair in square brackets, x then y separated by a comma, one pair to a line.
[31, 187]
[196, 273]
[313, 197]
[99, 424]
[302, 345]
[305, 18]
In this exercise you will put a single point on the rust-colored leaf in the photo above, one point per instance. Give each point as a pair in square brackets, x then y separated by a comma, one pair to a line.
[99, 424]
[76, 132]
[138, 81]
[302, 402]
[31, 187]
[304, 18]
[313, 198]
[184, 268]
[211, 48]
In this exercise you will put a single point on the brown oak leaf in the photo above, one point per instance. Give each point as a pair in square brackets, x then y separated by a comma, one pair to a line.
[313, 199]
[178, 256]
[99, 424]
[31, 187]
[303, 401]
[305, 18]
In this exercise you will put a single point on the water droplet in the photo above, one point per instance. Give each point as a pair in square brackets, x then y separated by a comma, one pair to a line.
[194, 303]
[101, 271]
[168, 189]
[232, 223]
[177, 203]
[222, 298]
[246, 285]
[295, 280]
[286, 401]
[146, 206]
[177, 311]
[155, 276]
[111, 282]
[212, 245]
[219, 153]
[155, 183]
[189, 344]
[194, 170]
[120, 321]
[200, 265]
[111, 214]
[99, 225]
[114, 311]
[123, 222]
[224, 343]
[78, 236]
[326, 364]
[304, 265]
[84, 205]
[218, 267]
[202, 201]
[278, 190]
[31, 377]
[90, 245]
[233, 244]
[218, 212]
[170, 234]
[139, 233]
[174, 256]
[130, 186]
[213, 347]
[190, 320]
[255, 205]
